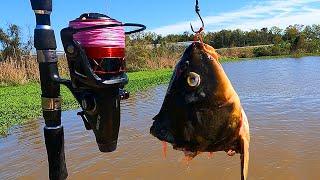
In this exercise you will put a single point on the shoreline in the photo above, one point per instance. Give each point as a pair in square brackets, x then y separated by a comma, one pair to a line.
[235, 59]
[21, 103]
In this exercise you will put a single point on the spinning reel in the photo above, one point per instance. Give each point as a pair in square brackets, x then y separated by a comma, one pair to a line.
[97, 75]
[95, 49]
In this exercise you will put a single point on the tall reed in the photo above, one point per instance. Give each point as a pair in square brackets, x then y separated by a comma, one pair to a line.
[139, 57]
[17, 72]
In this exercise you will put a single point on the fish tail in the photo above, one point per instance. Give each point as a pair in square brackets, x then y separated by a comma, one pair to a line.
[244, 141]
[244, 159]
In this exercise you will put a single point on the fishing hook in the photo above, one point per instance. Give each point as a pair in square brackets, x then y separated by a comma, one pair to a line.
[197, 9]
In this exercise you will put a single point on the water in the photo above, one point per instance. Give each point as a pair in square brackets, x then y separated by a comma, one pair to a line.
[280, 97]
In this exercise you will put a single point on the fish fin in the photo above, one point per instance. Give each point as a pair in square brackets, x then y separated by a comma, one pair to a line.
[244, 141]
[164, 149]
[186, 160]
[231, 152]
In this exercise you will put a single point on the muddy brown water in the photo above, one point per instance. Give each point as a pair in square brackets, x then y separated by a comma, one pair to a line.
[280, 97]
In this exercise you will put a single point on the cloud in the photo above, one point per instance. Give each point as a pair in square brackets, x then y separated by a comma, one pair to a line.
[279, 13]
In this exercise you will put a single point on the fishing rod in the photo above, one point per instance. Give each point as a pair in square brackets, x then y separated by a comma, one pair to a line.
[95, 49]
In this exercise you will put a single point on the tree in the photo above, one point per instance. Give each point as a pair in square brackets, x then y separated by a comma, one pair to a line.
[11, 42]
[292, 32]
[298, 44]
[312, 32]
[12, 45]
[276, 35]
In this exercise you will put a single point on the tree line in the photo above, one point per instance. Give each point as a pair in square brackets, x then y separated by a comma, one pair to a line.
[293, 38]
[293, 34]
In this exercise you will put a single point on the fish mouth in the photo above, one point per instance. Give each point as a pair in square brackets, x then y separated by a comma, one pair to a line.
[164, 135]
[161, 132]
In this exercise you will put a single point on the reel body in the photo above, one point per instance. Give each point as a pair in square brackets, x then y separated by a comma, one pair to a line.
[98, 76]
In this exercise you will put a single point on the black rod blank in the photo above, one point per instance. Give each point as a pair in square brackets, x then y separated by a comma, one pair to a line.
[45, 43]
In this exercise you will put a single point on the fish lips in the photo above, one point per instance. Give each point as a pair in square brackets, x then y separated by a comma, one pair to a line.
[159, 129]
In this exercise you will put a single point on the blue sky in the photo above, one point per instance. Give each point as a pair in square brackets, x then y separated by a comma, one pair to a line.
[171, 16]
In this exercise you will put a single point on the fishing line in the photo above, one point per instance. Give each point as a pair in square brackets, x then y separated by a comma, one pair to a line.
[198, 35]
[103, 39]
[106, 42]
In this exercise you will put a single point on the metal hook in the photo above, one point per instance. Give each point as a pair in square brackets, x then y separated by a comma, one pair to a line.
[197, 9]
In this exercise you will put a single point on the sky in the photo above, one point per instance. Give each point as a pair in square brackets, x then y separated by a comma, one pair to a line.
[170, 16]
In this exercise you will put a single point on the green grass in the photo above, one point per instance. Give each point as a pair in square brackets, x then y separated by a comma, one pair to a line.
[20, 104]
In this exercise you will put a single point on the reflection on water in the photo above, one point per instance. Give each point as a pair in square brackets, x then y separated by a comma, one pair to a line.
[282, 101]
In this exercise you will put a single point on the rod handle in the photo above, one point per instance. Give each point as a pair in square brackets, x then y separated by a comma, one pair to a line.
[45, 5]
[54, 138]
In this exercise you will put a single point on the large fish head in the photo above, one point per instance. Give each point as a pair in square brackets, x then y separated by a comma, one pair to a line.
[194, 84]
[201, 111]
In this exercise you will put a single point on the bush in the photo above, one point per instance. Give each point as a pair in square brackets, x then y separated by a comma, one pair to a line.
[262, 51]
[238, 52]
[312, 46]
[142, 56]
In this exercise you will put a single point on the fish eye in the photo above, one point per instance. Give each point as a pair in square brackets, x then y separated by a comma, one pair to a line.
[193, 79]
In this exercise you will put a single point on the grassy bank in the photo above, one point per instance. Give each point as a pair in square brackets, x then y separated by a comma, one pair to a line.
[20, 95]
[265, 51]
[20, 104]
[235, 59]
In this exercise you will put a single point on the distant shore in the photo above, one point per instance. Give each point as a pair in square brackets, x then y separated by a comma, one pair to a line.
[21, 103]
[230, 59]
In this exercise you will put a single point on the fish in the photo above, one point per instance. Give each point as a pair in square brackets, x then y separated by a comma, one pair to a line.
[201, 111]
